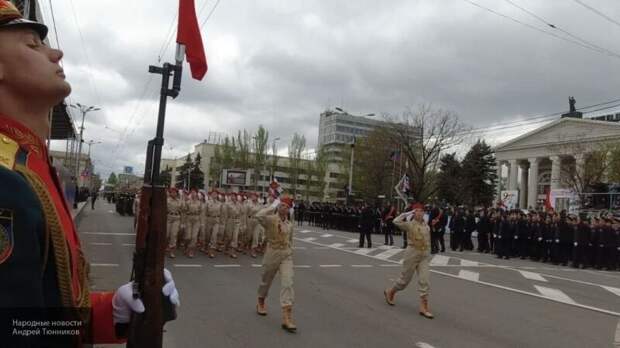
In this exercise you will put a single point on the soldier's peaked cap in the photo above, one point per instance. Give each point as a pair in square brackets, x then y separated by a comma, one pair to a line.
[10, 17]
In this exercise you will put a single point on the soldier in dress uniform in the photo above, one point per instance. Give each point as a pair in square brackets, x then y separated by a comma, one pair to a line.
[254, 228]
[42, 266]
[537, 237]
[484, 230]
[417, 257]
[581, 244]
[278, 258]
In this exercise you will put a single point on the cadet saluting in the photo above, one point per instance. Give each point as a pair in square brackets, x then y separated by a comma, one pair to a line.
[417, 257]
[278, 257]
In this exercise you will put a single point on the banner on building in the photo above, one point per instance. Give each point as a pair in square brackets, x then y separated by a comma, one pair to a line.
[509, 199]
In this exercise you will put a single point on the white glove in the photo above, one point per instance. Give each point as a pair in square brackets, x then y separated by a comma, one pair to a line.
[123, 302]
[539, 239]
[516, 237]
[275, 204]
[557, 240]
[576, 243]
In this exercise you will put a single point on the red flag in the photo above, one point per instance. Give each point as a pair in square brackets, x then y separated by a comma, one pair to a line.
[188, 34]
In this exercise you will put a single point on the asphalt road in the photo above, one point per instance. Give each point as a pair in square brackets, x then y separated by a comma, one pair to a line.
[478, 301]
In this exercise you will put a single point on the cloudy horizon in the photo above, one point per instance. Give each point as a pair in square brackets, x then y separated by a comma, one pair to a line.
[282, 63]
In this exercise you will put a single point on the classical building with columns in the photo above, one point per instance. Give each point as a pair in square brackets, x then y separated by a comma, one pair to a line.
[536, 160]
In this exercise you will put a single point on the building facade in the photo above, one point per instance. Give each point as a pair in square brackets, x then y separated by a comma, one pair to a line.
[537, 162]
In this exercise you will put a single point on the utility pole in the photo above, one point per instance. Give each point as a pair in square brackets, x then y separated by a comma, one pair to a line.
[350, 190]
[84, 110]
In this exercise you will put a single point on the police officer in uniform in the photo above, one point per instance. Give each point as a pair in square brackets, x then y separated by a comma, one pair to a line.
[42, 265]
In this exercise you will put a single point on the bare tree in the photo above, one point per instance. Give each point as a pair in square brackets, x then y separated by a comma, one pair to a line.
[423, 135]
[593, 164]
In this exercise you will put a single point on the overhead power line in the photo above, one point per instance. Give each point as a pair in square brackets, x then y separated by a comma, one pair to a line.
[575, 42]
[54, 24]
[553, 26]
[600, 13]
[210, 13]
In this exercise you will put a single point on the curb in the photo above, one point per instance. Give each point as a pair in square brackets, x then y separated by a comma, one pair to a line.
[76, 213]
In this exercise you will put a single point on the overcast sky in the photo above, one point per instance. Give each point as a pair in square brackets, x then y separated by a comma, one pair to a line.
[280, 63]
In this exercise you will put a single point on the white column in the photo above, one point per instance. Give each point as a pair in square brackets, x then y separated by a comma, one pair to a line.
[580, 169]
[555, 172]
[512, 182]
[523, 187]
[499, 179]
[532, 192]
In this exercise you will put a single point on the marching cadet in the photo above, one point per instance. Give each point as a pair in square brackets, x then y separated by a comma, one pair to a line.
[366, 222]
[214, 223]
[193, 209]
[417, 257]
[234, 221]
[457, 228]
[566, 234]
[42, 265]
[278, 258]
[484, 229]
[608, 245]
[203, 220]
[522, 237]
[175, 210]
[254, 228]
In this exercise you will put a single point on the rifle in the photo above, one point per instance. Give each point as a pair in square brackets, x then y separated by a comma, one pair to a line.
[146, 329]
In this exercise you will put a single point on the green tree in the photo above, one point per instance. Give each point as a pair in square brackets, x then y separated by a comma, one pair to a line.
[260, 152]
[184, 173]
[295, 148]
[244, 142]
[196, 175]
[372, 166]
[216, 166]
[449, 185]
[112, 179]
[166, 176]
[479, 175]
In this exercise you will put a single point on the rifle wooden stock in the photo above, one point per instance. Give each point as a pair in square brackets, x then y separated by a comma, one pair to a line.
[146, 329]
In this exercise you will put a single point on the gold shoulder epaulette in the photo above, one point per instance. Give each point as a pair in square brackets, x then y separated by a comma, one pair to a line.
[8, 151]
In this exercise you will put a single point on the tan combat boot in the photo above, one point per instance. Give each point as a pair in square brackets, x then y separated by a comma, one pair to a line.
[389, 296]
[424, 308]
[211, 253]
[190, 252]
[287, 319]
[261, 308]
[171, 253]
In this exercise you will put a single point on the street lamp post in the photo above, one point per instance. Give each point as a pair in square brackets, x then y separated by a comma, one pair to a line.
[84, 110]
[350, 187]
[275, 154]
[90, 174]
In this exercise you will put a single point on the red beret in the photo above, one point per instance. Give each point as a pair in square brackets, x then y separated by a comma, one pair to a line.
[416, 206]
[287, 200]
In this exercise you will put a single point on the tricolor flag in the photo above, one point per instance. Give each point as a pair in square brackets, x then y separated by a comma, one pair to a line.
[188, 34]
[403, 188]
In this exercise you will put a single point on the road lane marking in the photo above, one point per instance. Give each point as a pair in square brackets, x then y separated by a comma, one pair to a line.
[352, 241]
[226, 266]
[330, 266]
[256, 265]
[557, 295]
[364, 251]
[299, 248]
[388, 253]
[302, 266]
[309, 239]
[327, 235]
[336, 245]
[423, 345]
[100, 244]
[617, 339]
[440, 260]
[129, 244]
[109, 233]
[104, 264]
[305, 231]
[468, 263]
[111, 211]
[612, 289]
[187, 265]
[361, 266]
[469, 275]
[497, 286]
[533, 276]
[389, 265]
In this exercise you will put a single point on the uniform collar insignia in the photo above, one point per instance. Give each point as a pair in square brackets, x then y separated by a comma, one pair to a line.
[22, 135]
[6, 234]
